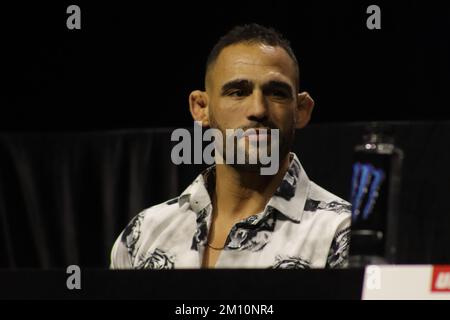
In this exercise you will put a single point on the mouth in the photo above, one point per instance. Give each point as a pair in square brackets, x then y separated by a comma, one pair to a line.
[257, 134]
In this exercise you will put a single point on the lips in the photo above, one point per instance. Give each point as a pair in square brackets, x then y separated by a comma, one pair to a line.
[257, 134]
[254, 131]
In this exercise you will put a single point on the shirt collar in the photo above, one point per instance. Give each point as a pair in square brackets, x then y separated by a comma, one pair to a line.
[289, 198]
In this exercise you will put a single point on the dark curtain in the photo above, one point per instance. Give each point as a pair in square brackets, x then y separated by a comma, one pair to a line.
[65, 197]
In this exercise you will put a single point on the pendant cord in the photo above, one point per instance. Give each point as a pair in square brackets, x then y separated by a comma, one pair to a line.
[214, 199]
[214, 248]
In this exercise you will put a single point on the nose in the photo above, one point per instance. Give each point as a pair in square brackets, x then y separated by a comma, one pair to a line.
[257, 109]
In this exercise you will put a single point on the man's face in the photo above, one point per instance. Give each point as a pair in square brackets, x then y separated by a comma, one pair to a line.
[254, 86]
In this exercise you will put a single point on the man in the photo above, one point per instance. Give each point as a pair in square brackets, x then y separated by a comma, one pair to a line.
[232, 216]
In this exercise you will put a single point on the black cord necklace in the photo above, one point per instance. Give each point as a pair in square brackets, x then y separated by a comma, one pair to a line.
[207, 240]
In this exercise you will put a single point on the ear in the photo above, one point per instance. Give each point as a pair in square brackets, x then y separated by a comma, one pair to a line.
[198, 105]
[305, 106]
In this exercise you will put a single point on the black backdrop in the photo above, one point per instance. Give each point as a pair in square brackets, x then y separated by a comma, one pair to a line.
[64, 198]
[133, 64]
[80, 148]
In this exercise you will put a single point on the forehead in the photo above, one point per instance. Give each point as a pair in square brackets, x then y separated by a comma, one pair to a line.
[254, 62]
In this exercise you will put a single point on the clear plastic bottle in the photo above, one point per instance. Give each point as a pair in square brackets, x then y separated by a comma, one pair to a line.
[375, 191]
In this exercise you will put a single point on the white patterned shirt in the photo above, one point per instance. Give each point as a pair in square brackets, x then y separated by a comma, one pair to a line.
[302, 226]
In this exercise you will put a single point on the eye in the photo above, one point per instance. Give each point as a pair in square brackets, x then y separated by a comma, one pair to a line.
[280, 94]
[236, 93]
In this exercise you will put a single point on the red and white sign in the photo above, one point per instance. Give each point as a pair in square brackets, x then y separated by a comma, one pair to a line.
[406, 282]
[441, 279]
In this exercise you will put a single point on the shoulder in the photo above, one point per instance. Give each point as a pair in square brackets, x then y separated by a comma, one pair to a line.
[321, 199]
[335, 215]
[328, 212]
[153, 215]
[140, 226]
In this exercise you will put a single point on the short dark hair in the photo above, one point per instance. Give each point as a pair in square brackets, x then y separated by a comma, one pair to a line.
[252, 33]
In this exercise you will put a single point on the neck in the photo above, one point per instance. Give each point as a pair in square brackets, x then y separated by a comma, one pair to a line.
[240, 194]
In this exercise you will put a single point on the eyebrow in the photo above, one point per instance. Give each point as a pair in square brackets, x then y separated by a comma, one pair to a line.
[237, 83]
[247, 84]
[275, 84]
